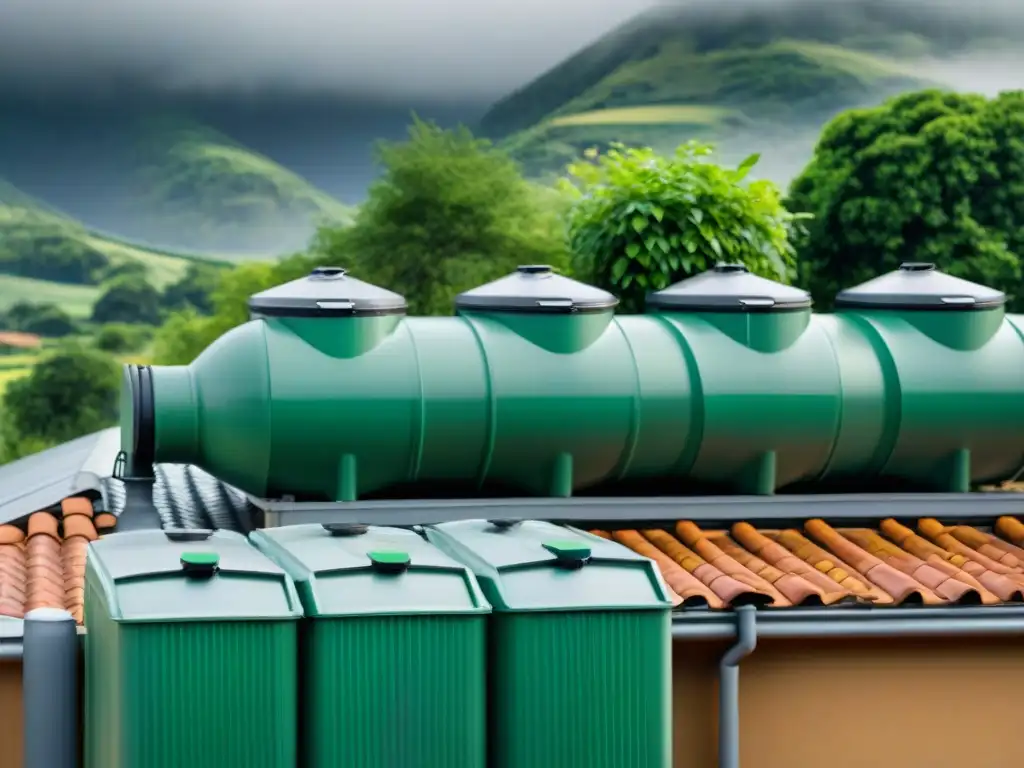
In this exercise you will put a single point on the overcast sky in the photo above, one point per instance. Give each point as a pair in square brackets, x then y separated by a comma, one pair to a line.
[458, 50]
[419, 48]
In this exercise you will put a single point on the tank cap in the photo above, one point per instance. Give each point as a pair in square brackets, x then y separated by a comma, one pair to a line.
[728, 288]
[187, 534]
[200, 565]
[538, 289]
[569, 554]
[504, 525]
[328, 273]
[327, 292]
[346, 529]
[389, 561]
[535, 269]
[919, 285]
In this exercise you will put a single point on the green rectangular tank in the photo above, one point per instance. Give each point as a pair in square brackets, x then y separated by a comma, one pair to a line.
[580, 667]
[190, 653]
[394, 656]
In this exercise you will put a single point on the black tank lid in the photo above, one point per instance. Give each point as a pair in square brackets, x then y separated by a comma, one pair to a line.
[728, 288]
[327, 292]
[920, 286]
[537, 289]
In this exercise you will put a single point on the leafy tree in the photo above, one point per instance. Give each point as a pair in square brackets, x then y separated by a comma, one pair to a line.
[448, 213]
[641, 221]
[119, 338]
[42, 319]
[194, 289]
[69, 393]
[128, 299]
[928, 176]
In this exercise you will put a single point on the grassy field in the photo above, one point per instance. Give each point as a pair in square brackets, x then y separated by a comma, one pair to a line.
[10, 362]
[655, 114]
[76, 300]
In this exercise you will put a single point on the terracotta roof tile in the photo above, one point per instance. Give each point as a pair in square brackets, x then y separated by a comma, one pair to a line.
[44, 566]
[818, 564]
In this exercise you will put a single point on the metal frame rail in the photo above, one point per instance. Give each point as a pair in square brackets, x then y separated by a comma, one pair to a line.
[778, 511]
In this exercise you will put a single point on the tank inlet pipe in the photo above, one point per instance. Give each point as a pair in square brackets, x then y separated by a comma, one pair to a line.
[729, 687]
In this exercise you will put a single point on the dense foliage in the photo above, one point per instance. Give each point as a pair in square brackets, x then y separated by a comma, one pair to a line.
[119, 338]
[193, 290]
[448, 213]
[42, 319]
[128, 299]
[641, 221]
[929, 176]
[70, 392]
[46, 251]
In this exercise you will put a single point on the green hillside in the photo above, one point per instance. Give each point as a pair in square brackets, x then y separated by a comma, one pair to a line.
[36, 240]
[753, 77]
[194, 185]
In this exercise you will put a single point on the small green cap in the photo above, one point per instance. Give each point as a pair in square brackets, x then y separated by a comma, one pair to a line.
[199, 565]
[568, 550]
[389, 560]
[200, 559]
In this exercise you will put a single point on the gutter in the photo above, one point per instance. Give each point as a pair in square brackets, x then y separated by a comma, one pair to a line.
[854, 622]
[729, 687]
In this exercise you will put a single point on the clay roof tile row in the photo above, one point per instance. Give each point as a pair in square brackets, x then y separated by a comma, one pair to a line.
[820, 565]
[44, 565]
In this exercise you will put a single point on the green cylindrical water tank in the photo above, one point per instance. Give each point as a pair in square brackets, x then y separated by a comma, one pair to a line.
[580, 667]
[765, 379]
[190, 653]
[534, 387]
[393, 659]
[951, 370]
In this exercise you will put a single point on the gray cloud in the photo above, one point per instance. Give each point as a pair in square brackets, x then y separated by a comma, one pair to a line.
[403, 48]
[418, 50]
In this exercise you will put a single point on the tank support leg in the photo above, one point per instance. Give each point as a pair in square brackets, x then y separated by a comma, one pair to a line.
[958, 478]
[347, 487]
[758, 478]
[561, 478]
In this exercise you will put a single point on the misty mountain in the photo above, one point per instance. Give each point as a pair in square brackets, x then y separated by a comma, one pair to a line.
[754, 75]
[247, 173]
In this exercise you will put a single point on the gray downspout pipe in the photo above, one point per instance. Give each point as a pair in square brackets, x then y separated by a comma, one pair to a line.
[729, 687]
[50, 689]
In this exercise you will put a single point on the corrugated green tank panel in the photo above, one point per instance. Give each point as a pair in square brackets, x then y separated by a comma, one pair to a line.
[402, 691]
[581, 690]
[102, 685]
[203, 695]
